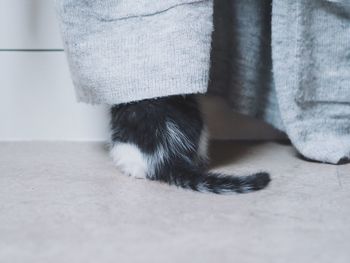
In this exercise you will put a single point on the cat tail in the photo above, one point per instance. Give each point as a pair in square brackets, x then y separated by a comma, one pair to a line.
[217, 183]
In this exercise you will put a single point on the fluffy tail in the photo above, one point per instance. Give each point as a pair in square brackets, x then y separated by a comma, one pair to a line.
[217, 183]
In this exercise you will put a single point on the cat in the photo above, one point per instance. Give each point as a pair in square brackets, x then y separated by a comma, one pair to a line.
[165, 139]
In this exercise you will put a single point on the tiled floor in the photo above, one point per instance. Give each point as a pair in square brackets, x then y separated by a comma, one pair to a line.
[65, 202]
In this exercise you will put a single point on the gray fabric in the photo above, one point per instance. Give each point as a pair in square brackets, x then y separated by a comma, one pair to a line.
[285, 62]
[311, 64]
[123, 50]
[241, 69]
[294, 74]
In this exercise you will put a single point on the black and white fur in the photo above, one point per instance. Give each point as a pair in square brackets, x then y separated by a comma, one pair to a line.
[165, 139]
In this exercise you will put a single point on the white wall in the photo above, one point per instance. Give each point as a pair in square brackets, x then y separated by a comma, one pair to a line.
[37, 100]
[36, 94]
[28, 24]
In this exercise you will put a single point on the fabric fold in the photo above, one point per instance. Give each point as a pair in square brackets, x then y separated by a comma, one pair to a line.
[311, 65]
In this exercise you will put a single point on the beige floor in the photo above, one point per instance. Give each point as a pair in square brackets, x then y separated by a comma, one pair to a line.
[64, 202]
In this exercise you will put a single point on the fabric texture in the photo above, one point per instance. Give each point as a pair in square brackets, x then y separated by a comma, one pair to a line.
[311, 64]
[123, 50]
[285, 62]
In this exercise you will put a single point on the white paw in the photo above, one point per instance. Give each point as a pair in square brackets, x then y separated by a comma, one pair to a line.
[132, 170]
[129, 160]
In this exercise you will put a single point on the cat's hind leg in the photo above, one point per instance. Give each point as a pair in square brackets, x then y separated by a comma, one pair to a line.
[129, 160]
